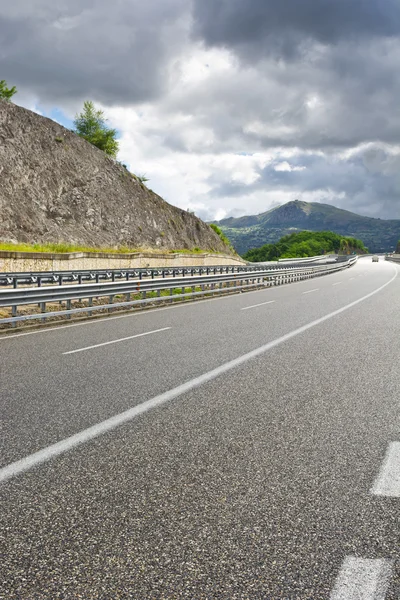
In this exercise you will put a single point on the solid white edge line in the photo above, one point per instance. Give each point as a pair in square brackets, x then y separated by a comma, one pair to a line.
[362, 578]
[58, 448]
[255, 305]
[131, 337]
[337, 283]
[309, 291]
[387, 482]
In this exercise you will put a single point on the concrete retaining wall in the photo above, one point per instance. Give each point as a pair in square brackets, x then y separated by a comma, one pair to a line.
[14, 262]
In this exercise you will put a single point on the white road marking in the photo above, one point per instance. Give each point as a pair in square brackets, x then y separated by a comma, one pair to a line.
[337, 283]
[63, 446]
[362, 579]
[255, 305]
[388, 481]
[131, 337]
[351, 278]
[309, 291]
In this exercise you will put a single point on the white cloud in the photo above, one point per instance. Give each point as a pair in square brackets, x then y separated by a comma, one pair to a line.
[285, 166]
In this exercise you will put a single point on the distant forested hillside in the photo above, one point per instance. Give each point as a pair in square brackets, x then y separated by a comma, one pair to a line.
[306, 243]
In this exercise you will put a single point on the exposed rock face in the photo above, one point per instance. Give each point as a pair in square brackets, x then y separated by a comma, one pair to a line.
[56, 187]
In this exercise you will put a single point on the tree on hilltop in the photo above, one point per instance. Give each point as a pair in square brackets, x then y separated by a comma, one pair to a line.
[5, 92]
[91, 125]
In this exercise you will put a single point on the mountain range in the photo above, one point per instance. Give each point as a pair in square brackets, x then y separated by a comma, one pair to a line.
[252, 231]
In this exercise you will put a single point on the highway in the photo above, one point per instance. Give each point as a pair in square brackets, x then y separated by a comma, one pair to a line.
[245, 447]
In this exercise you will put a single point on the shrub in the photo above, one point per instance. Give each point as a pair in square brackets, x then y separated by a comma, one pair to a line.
[5, 92]
[90, 124]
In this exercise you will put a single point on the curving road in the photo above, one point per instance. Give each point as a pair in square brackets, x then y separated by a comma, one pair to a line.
[246, 447]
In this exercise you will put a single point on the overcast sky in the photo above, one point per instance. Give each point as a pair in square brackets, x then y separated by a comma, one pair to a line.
[230, 107]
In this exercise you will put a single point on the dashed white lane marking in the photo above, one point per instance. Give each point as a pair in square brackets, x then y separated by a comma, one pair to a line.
[37, 458]
[131, 337]
[255, 305]
[362, 579]
[309, 291]
[337, 283]
[351, 278]
[388, 481]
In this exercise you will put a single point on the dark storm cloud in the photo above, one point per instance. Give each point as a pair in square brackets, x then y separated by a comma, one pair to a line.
[114, 52]
[258, 27]
[367, 183]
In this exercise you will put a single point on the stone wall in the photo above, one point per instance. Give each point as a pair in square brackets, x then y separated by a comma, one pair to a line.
[16, 262]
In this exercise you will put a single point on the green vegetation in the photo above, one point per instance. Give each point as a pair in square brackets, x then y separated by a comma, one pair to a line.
[306, 243]
[142, 178]
[91, 125]
[219, 232]
[67, 248]
[6, 93]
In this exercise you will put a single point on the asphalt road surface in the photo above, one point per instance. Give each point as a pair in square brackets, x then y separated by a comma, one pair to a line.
[245, 447]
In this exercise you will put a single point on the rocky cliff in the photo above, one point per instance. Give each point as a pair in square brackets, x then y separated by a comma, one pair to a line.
[56, 187]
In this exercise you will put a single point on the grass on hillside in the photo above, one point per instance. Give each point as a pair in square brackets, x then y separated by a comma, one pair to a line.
[68, 248]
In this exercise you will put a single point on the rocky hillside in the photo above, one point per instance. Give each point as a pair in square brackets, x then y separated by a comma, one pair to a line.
[56, 187]
[256, 230]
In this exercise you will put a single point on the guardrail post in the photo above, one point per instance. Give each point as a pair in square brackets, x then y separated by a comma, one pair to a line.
[68, 308]
[43, 310]
[90, 303]
[14, 314]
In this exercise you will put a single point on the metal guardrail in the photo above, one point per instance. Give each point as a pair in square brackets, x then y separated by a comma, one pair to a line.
[228, 282]
[393, 258]
[39, 278]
